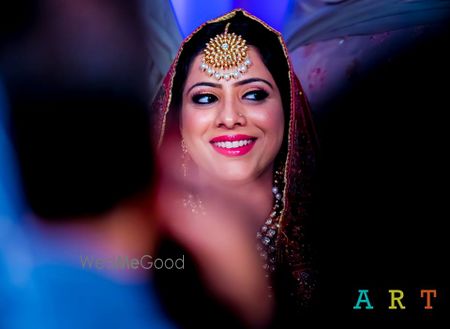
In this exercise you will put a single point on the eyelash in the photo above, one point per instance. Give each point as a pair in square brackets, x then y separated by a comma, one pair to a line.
[207, 98]
[258, 95]
[197, 97]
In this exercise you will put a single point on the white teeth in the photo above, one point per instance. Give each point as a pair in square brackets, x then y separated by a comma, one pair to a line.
[234, 144]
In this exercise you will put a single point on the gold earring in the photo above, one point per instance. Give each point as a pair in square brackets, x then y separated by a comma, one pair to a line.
[184, 157]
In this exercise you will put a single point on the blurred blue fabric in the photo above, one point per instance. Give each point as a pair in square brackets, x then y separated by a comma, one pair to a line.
[192, 13]
[13, 252]
[41, 286]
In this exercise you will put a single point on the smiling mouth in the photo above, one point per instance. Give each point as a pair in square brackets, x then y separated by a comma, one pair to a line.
[233, 145]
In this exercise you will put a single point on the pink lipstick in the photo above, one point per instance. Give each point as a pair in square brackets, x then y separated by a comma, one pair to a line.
[233, 145]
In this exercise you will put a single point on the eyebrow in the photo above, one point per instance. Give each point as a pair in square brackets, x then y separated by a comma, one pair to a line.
[238, 83]
[250, 80]
[204, 83]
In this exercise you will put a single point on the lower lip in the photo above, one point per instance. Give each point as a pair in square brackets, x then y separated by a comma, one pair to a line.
[234, 152]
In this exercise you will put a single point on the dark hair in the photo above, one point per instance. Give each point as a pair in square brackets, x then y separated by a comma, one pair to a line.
[80, 126]
[256, 35]
[82, 148]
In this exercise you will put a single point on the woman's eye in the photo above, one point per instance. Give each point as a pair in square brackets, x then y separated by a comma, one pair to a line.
[256, 95]
[204, 99]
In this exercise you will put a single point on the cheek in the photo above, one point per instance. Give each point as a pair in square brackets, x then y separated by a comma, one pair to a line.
[271, 121]
[194, 122]
[278, 123]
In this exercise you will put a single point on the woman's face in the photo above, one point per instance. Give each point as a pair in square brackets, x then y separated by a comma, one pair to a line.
[232, 129]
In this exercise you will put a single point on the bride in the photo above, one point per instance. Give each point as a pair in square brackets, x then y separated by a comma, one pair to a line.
[236, 112]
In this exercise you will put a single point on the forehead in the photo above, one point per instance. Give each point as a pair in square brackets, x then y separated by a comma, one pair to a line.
[256, 70]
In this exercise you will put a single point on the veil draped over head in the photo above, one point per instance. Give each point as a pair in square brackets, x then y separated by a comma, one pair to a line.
[296, 160]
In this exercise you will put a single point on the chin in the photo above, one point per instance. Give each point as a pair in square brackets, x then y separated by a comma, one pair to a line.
[235, 174]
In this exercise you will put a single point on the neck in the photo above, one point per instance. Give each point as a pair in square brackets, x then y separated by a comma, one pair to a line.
[256, 195]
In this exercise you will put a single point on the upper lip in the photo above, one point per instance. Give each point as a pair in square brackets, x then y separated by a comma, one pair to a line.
[231, 138]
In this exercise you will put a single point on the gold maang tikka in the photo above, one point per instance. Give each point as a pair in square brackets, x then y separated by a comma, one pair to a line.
[225, 56]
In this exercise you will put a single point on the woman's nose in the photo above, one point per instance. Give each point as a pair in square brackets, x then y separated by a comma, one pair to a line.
[230, 115]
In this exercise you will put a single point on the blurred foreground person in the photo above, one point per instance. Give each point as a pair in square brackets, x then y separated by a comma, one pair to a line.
[76, 86]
